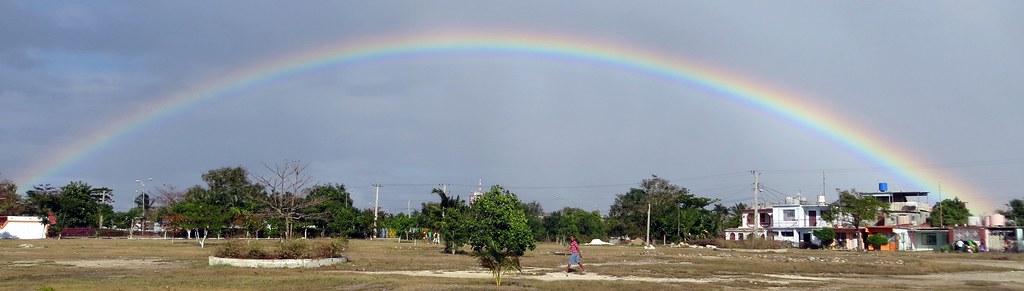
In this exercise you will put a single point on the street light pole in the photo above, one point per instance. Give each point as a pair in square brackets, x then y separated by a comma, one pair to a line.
[376, 196]
[145, 203]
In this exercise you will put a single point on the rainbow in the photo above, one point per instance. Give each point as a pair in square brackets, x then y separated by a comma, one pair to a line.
[728, 85]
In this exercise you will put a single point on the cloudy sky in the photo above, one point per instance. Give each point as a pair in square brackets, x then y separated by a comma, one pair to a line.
[939, 80]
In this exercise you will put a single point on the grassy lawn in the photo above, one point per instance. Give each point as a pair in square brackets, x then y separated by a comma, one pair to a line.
[119, 264]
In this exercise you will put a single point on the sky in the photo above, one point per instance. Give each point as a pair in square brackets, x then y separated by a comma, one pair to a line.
[933, 84]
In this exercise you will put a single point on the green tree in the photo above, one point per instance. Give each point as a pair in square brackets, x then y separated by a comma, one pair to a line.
[42, 200]
[1014, 212]
[669, 206]
[10, 201]
[826, 235]
[455, 223]
[736, 215]
[949, 212]
[204, 210]
[335, 215]
[534, 218]
[574, 221]
[76, 206]
[499, 233]
[402, 223]
[854, 210]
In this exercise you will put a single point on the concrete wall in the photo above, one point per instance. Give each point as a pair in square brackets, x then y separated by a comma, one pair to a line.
[293, 263]
[921, 240]
[23, 227]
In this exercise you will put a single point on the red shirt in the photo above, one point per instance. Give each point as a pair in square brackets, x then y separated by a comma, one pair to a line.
[574, 247]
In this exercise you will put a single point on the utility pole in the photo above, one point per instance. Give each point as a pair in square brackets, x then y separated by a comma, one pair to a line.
[757, 210]
[648, 226]
[376, 199]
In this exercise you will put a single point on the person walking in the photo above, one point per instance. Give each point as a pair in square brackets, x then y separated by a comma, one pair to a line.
[574, 249]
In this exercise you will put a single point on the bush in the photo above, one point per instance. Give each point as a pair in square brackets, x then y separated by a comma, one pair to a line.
[256, 251]
[329, 248]
[826, 235]
[106, 232]
[285, 249]
[232, 249]
[877, 241]
[292, 249]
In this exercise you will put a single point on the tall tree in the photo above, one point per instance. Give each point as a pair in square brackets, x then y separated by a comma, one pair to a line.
[669, 205]
[72, 206]
[736, 215]
[335, 215]
[455, 224]
[10, 201]
[42, 200]
[534, 218]
[949, 212]
[499, 232]
[204, 210]
[144, 202]
[1014, 212]
[284, 194]
[569, 221]
[855, 210]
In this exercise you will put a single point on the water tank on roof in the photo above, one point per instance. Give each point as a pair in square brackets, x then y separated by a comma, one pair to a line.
[987, 220]
[997, 220]
[903, 220]
[883, 187]
[974, 221]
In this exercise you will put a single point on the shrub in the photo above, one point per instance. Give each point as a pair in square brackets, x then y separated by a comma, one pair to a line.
[292, 249]
[284, 249]
[255, 251]
[328, 248]
[106, 232]
[826, 235]
[232, 249]
[877, 241]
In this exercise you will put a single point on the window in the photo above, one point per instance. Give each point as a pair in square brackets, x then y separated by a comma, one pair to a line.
[789, 215]
[786, 233]
[931, 239]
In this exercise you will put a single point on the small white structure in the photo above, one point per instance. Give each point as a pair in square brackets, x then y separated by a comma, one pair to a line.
[22, 227]
[598, 242]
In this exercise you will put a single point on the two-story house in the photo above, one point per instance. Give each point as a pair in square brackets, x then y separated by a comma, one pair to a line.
[746, 230]
[796, 219]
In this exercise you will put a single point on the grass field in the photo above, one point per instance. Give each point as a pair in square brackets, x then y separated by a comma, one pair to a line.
[120, 264]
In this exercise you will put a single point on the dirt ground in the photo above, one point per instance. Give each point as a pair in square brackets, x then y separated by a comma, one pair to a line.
[90, 264]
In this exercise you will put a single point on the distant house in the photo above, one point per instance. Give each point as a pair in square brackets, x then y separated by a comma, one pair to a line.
[795, 221]
[22, 227]
[905, 208]
[746, 230]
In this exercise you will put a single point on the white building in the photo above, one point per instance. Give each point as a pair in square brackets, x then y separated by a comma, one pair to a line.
[22, 227]
[746, 230]
[796, 219]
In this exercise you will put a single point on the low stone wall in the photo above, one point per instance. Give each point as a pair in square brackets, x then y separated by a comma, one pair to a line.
[288, 263]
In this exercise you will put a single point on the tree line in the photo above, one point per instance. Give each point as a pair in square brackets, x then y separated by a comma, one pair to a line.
[233, 202]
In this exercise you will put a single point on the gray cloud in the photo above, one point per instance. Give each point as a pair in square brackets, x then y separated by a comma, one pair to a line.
[935, 80]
